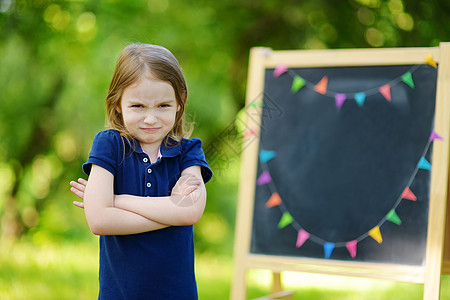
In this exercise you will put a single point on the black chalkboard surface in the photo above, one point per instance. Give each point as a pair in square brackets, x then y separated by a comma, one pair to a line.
[341, 168]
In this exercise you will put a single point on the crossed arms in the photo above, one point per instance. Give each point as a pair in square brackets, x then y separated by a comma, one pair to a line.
[109, 214]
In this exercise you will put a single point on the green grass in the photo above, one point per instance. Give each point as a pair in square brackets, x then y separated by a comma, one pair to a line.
[69, 271]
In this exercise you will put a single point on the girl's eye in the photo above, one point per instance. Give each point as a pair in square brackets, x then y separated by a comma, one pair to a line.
[136, 105]
[164, 105]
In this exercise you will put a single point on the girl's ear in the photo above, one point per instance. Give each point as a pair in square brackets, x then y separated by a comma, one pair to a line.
[118, 109]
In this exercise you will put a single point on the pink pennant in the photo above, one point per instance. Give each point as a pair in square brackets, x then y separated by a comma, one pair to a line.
[264, 178]
[302, 237]
[385, 90]
[351, 247]
[408, 194]
[279, 70]
[435, 136]
[340, 99]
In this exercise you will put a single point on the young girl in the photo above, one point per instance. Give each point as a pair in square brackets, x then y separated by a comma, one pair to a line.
[146, 181]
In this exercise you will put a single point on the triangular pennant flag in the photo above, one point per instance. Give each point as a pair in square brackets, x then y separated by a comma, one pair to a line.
[328, 249]
[435, 136]
[360, 98]
[340, 99]
[302, 237]
[351, 247]
[285, 220]
[297, 83]
[274, 200]
[393, 217]
[266, 155]
[376, 234]
[385, 90]
[408, 194]
[264, 178]
[279, 70]
[321, 87]
[424, 164]
[407, 78]
[429, 60]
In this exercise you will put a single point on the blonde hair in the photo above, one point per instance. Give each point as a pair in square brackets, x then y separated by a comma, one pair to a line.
[135, 61]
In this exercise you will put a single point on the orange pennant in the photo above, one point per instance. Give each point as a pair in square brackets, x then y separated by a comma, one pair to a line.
[274, 200]
[321, 87]
[385, 90]
[408, 194]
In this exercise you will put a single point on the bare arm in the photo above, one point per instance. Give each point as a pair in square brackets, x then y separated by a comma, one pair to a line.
[105, 219]
[185, 206]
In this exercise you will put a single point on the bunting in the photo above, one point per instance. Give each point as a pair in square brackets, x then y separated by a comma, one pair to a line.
[385, 90]
[275, 200]
[321, 87]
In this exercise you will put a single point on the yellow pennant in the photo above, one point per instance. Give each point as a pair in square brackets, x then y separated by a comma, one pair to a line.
[376, 234]
[429, 60]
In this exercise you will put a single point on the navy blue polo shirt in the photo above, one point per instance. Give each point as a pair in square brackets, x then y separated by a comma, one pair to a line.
[157, 264]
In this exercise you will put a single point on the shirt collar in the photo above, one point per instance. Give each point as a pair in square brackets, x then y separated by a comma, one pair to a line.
[173, 149]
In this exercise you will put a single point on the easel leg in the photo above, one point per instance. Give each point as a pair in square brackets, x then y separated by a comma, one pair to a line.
[276, 284]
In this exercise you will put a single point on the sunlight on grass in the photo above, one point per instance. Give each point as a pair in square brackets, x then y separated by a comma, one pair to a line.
[54, 271]
[68, 270]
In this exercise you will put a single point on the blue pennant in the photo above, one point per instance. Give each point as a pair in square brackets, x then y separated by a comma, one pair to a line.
[424, 164]
[360, 98]
[328, 249]
[266, 155]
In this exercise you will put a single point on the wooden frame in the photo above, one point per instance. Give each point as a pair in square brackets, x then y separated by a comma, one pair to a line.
[430, 273]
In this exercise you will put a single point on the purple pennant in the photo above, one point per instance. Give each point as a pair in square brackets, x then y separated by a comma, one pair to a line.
[340, 99]
[279, 70]
[435, 136]
[264, 178]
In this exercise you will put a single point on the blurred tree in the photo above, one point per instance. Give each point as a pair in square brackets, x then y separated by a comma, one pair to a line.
[57, 58]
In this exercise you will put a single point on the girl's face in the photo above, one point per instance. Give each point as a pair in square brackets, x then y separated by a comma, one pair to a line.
[148, 109]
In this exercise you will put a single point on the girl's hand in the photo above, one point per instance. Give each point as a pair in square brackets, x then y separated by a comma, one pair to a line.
[185, 185]
[78, 189]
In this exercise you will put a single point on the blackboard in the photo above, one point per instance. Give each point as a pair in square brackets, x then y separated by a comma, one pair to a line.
[345, 164]
[340, 170]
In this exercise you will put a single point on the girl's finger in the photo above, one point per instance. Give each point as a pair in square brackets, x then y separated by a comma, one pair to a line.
[78, 204]
[78, 186]
[78, 193]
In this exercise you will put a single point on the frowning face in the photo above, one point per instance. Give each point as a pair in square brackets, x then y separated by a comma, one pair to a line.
[149, 109]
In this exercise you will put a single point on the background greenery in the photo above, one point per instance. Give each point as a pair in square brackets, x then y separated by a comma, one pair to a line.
[56, 61]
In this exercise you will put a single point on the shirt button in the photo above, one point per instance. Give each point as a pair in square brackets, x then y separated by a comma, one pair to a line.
[149, 184]
[149, 171]
[145, 159]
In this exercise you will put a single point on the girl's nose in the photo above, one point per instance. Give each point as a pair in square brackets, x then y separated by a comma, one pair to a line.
[150, 118]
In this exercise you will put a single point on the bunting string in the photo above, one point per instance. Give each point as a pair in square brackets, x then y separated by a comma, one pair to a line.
[287, 219]
[322, 86]
[298, 82]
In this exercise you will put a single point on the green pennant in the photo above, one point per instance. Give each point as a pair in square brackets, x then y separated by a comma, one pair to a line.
[407, 78]
[286, 219]
[393, 217]
[297, 83]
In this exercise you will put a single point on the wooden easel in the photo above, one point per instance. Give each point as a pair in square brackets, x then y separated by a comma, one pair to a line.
[430, 273]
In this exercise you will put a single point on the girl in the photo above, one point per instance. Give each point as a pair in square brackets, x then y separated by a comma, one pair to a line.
[146, 182]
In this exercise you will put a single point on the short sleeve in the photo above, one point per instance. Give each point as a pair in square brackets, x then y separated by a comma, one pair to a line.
[106, 149]
[192, 155]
